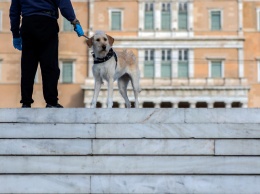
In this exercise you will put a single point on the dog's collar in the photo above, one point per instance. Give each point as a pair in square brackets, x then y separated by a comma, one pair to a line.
[109, 55]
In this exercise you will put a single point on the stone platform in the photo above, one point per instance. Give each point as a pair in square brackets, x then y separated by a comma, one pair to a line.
[130, 151]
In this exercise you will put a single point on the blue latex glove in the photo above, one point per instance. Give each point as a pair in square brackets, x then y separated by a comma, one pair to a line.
[79, 30]
[17, 42]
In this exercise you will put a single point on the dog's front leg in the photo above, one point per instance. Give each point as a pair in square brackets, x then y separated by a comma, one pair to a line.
[110, 93]
[96, 92]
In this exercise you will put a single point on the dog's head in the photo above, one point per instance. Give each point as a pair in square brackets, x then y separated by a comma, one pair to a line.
[101, 43]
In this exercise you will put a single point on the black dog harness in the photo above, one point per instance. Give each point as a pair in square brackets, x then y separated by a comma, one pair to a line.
[110, 54]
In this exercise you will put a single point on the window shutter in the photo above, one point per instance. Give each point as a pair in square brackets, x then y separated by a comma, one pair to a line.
[183, 69]
[216, 69]
[149, 20]
[166, 20]
[116, 20]
[215, 20]
[67, 72]
[149, 69]
[166, 69]
[67, 27]
[183, 21]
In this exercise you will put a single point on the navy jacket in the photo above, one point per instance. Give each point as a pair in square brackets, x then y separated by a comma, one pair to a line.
[49, 8]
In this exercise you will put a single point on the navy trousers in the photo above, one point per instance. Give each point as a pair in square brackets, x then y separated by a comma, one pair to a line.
[39, 46]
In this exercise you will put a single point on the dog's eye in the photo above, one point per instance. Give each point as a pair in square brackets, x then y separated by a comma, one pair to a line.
[98, 40]
[105, 39]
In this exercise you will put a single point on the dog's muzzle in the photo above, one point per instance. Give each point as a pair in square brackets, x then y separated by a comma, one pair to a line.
[104, 47]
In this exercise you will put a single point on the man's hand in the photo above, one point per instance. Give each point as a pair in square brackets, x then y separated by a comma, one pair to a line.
[77, 27]
[79, 30]
[17, 42]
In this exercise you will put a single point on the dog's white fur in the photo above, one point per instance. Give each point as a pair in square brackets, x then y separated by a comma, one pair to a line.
[127, 69]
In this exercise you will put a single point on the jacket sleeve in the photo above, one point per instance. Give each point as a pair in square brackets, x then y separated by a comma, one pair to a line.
[15, 14]
[66, 9]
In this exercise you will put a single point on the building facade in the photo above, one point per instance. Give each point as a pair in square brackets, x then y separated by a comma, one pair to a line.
[192, 53]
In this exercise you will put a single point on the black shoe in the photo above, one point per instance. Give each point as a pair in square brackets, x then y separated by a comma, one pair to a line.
[54, 106]
[26, 106]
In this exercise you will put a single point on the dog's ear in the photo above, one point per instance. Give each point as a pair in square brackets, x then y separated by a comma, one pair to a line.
[110, 40]
[90, 42]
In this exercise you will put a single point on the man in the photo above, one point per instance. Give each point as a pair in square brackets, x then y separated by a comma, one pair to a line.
[37, 38]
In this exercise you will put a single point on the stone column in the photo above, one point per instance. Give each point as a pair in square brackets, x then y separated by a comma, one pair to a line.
[157, 68]
[190, 18]
[90, 64]
[157, 15]
[91, 16]
[174, 63]
[241, 62]
[174, 17]
[192, 104]
[87, 105]
[244, 105]
[191, 63]
[157, 105]
[210, 104]
[103, 104]
[91, 32]
[141, 15]
[121, 105]
[240, 17]
[175, 105]
[228, 104]
[141, 62]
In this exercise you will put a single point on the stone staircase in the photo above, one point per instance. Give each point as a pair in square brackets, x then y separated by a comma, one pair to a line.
[178, 151]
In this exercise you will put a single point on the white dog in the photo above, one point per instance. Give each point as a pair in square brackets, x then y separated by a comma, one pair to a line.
[111, 66]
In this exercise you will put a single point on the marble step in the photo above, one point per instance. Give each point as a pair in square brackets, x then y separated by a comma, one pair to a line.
[125, 131]
[180, 130]
[82, 150]
[144, 115]
[121, 147]
[84, 115]
[163, 165]
[76, 147]
[47, 130]
[126, 184]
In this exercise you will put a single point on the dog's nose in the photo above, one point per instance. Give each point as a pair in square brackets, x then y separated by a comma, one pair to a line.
[104, 47]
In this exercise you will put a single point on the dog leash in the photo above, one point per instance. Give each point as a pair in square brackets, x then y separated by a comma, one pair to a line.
[86, 36]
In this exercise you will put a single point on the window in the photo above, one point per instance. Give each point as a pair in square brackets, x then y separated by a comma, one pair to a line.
[183, 64]
[166, 68]
[258, 19]
[67, 72]
[216, 69]
[149, 17]
[166, 16]
[215, 20]
[183, 16]
[1, 20]
[67, 26]
[149, 63]
[116, 20]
